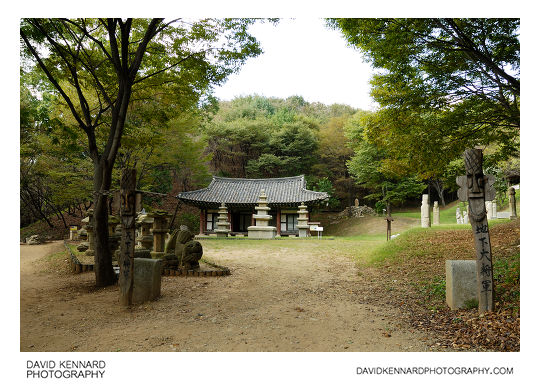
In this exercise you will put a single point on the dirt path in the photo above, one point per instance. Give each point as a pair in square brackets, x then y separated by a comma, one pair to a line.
[288, 300]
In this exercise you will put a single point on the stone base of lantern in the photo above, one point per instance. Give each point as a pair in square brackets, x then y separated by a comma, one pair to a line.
[262, 232]
[157, 254]
[222, 233]
[303, 231]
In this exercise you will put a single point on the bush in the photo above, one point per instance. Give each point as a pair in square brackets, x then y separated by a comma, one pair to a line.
[189, 220]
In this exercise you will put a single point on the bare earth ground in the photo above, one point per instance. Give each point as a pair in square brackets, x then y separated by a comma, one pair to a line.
[301, 298]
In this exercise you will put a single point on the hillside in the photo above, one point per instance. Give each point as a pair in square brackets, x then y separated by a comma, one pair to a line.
[409, 272]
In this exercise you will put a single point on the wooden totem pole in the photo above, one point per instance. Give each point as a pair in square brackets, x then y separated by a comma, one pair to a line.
[476, 188]
[127, 245]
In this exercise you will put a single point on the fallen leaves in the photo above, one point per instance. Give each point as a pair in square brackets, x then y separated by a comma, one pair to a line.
[414, 282]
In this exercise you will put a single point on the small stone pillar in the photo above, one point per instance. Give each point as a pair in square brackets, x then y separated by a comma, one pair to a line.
[436, 214]
[465, 219]
[356, 202]
[459, 220]
[512, 199]
[494, 210]
[222, 223]
[89, 231]
[145, 238]
[460, 283]
[261, 228]
[424, 210]
[489, 210]
[303, 227]
[159, 230]
[146, 280]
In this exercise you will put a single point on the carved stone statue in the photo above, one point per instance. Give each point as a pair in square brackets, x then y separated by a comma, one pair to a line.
[191, 253]
[512, 198]
[182, 250]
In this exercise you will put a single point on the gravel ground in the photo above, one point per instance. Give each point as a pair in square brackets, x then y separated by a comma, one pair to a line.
[276, 299]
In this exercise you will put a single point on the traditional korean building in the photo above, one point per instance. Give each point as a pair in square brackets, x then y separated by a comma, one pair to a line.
[241, 195]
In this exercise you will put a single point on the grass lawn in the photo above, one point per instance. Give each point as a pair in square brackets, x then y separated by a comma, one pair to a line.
[448, 213]
[357, 247]
[411, 271]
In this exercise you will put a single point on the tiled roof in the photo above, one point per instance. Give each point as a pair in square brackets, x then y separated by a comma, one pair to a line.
[238, 191]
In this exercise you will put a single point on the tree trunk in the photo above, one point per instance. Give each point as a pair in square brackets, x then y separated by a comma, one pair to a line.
[439, 187]
[103, 269]
[174, 216]
[62, 216]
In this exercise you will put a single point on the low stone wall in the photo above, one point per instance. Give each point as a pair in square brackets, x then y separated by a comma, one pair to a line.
[196, 273]
[75, 265]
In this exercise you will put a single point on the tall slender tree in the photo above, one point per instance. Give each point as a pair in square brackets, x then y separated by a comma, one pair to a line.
[98, 65]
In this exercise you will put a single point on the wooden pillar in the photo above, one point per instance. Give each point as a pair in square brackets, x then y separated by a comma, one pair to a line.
[229, 219]
[202, 220]
[278, 221]
[127, 246]
[477, 188]
[138, 202]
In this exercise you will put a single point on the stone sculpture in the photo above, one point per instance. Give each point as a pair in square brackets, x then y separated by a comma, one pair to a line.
[182, 251]
[512, 199]
[459, 219]
[436, 214]
[489, 210]
[425, 220]
[34, 240]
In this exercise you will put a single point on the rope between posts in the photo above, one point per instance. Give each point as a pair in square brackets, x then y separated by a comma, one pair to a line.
[111, 192]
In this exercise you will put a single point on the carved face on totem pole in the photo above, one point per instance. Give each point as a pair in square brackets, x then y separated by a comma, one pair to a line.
[475, 184]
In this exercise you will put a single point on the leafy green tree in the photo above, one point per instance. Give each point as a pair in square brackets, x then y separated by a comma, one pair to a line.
[54, 174]
[332, 155]
[325, 185]
[388, 181]
[443, 85]
[256, 136]
[98, 66]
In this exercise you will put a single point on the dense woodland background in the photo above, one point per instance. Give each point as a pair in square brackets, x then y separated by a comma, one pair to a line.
[443, 85]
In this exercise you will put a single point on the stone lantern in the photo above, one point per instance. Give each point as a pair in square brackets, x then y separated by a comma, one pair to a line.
[87, 223]
[114, 235]
[159, 231]
[145, 238]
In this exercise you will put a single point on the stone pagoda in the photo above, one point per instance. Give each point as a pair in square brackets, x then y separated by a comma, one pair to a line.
[261, 228]
[223, 223]
[303, 227]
